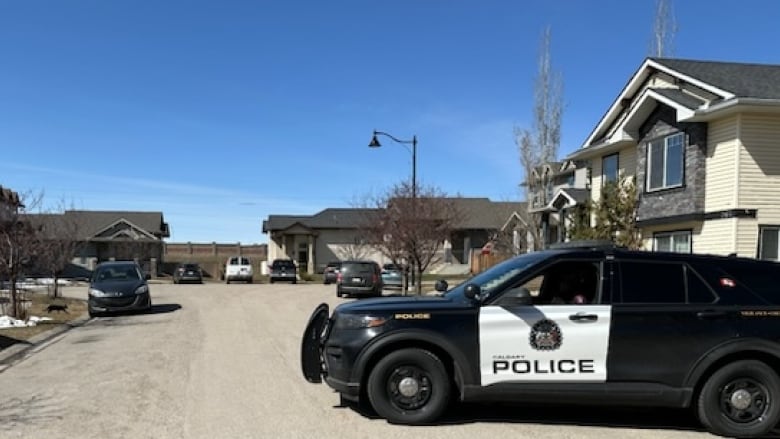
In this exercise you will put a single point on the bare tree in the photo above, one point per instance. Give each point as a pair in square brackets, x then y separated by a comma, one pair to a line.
[664, 29]
[20, 245]
[411, 230]
[540, 144]
[61, 233]
[353, 251]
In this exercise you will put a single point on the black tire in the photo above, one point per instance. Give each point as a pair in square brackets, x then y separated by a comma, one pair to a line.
[749, 382]
[294, 282]
[428, 380]
[338, 293]
[249, 281]
[227, 281]
[271, 281]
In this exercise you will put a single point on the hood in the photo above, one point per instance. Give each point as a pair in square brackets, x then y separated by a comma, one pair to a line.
[126, 287]
[403, 303]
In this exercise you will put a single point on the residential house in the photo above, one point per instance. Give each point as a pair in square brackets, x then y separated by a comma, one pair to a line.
[111, 235]
[555, 189]
[334, 233]
[701, 140]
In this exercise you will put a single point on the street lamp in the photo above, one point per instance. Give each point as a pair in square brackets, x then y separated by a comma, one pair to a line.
[375, 144]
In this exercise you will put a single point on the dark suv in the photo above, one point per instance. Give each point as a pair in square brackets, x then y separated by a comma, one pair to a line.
[585, 325]
[283, 270]
[359, 278]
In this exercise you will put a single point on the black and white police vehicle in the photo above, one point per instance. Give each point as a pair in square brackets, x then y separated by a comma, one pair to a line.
[579, 325]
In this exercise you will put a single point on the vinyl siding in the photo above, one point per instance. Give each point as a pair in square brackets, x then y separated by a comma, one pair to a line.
[759, 166]
[747, 237]
[721, 178]
[717, 237]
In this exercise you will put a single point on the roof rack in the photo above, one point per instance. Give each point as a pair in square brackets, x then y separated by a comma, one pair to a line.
[587, 244]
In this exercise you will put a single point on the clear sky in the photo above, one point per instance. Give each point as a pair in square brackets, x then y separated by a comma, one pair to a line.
[220, 113]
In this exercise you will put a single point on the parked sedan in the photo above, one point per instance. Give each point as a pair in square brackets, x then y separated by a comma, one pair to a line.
[392, 276]
[188, 273]
[117, 287]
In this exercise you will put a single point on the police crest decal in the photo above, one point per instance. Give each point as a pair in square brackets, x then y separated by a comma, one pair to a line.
[545, 335]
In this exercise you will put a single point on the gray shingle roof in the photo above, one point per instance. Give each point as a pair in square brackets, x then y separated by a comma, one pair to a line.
[89, 223]
[741, 79]
[477, 213]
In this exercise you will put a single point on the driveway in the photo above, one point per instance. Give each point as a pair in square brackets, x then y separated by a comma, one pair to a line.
[222, 361]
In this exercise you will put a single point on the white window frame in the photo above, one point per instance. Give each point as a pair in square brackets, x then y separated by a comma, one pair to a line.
[665, 184]
[761, 248]
[677, 234]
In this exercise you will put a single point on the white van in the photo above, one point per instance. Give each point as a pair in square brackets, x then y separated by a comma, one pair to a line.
[238, 268]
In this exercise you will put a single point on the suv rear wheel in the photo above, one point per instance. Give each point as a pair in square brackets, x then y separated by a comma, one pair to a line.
[741, 399]
[409, 386]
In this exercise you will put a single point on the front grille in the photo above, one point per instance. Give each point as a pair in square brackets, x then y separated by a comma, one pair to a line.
[114, 302]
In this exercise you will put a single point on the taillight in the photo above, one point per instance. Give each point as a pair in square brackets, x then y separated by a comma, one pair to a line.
[376, 278]
[339, 277]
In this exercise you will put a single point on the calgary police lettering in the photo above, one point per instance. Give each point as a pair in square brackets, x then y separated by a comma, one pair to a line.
[545, 336]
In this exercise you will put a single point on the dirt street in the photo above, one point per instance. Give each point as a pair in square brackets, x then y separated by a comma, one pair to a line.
[222, 361]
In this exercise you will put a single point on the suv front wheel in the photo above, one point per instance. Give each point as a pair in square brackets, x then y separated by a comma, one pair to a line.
[409, 386]
[741, 399]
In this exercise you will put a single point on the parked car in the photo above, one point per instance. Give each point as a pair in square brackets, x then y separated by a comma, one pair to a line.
[594, 324]
[359, 278]
[117, 287]
[331, 272]
[392, 276]
[189, 272]
[238, 268]
[283, 270]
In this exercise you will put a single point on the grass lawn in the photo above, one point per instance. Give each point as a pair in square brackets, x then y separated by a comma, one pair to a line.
[38, 304]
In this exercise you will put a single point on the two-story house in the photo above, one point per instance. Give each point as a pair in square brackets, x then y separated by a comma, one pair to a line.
[702, 141]
[554, 189]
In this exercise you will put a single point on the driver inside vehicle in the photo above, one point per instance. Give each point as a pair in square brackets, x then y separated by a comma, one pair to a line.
[574, 286]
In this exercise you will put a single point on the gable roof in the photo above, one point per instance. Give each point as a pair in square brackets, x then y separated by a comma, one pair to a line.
[741, 79]
[482, 213]
[331, 218]
[89, 224]
[698, 90]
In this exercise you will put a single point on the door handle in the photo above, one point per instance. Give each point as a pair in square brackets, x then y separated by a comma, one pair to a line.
[711, 314]
[582, 317]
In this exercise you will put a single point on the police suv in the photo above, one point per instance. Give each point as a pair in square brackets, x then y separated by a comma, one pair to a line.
[578, 325]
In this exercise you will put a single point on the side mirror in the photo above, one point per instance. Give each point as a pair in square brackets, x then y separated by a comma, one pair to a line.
[472, 291]
[441, 286]
[519, 296]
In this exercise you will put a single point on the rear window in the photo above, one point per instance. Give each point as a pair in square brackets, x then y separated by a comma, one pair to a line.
[362, 267]
[190, 266]
[236, 260]
[283, 264]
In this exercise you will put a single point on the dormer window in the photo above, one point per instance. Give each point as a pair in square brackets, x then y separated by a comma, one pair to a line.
[665, 162]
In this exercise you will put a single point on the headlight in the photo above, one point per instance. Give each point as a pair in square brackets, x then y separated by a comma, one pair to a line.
[143, 289]
[96, 293]
[350, 321]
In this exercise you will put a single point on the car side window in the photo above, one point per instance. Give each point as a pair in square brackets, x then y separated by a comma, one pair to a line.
[565, 282]
[697, 290]
[652, 282]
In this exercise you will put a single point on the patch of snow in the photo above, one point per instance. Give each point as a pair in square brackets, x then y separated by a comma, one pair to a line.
[9, 322]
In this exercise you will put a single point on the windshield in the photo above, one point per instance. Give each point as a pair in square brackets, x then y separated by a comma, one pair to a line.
[117, 273]
[495, 277]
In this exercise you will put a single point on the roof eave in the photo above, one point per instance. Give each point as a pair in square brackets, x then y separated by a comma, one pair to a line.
[733, 106]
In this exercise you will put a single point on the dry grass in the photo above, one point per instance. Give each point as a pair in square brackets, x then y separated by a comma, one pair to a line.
[38, 304]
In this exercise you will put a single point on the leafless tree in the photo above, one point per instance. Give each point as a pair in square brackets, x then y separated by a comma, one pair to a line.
[20, 244]
[664, 30]
[411, 231]
[61, 233]
[540, 144]
[353, 251]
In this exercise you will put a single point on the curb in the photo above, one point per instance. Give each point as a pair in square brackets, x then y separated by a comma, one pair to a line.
[16, 352]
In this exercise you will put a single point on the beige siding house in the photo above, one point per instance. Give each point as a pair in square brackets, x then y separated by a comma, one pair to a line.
[702, 140]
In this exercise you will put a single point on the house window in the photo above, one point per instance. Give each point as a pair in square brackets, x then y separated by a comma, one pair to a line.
[609, 168]
[665, 162]
[676, 242]
[768, 243]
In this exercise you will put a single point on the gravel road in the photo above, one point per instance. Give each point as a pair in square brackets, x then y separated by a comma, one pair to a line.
[222, 361]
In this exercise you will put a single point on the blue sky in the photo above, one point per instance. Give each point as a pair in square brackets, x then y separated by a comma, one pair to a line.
[221, 113]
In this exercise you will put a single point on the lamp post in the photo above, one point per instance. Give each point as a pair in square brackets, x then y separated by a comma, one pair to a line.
[375, 144]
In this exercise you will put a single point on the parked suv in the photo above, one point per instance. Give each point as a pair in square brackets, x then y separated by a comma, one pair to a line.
[238, 268]
[331, 272]
[283, 270]
[358, 278]
[589, 324]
